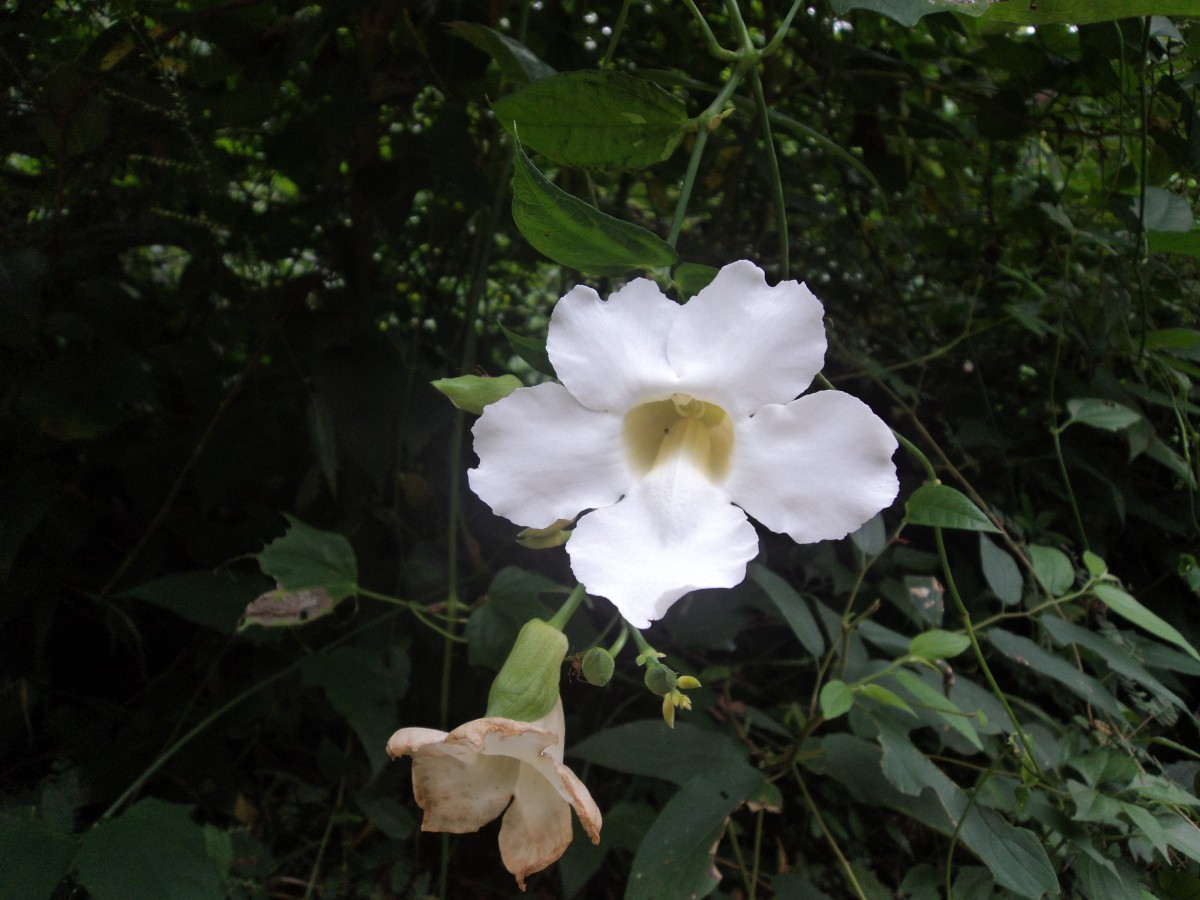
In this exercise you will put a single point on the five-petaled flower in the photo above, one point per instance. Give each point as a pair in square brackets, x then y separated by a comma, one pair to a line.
[667, 416]
[467, 777]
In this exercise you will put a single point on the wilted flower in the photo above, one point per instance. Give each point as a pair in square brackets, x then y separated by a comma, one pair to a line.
[467, 777]
[666, 417]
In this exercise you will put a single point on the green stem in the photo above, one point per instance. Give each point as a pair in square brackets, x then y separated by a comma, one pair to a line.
[777, 40]
[758, 833]
[619, 643]
[952, 589]
[208, 720]
[644, 649]
[714, 47]
[616, 35]
[1066, 477]
[776, 178]
[706, 122]
[915, 452]
[829, 838]
[560, 619]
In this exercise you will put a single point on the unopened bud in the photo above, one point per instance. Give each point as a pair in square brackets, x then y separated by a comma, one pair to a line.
[545, 538]
[660, 680]
[598, 666]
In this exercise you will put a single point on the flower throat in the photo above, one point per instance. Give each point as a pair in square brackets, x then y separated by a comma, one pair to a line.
[659, 430]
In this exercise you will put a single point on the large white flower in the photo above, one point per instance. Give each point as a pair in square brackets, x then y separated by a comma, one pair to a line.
[666, 417]
[467, 777]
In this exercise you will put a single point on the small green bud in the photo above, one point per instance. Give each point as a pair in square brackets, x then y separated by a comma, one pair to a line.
[598, 666]
[660, 680]
[526, 687]
[545, 538]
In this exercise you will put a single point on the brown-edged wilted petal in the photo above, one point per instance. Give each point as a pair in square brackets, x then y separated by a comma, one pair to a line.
[461, 793]
[536, 828]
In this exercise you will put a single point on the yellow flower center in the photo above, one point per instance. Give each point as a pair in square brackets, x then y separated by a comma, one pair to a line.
[661, 429]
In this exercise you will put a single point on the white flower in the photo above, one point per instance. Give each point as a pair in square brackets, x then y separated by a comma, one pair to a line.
[666, 417]
[467, 777]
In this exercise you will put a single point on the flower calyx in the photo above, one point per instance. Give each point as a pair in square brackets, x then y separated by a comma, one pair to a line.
[668, 684]
[598, 666]
[526, 687]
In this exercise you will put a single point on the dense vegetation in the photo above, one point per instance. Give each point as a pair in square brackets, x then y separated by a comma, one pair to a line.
[239, 239]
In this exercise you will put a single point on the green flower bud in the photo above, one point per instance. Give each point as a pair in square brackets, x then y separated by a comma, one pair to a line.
[598, 666]
[545, 538]
[659, 679]
[526, 688]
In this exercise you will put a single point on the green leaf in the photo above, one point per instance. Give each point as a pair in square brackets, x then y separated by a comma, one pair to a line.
[34, 855]
[531, 350]
[1080, 12]
[934, 700]
[1053, 568]
[516, 61]
[676, 756]
[836, 699]
[1165, 211]
[1148, 826]
[1000, 571]
[306, 558]
[691, 278]
[1016, 856]
[512, 600]
[153, 849]
[1183, 342]
[792, 607]
[880, 694]
[597, 120]
[363, 690]
[1103, 414]
[1115, 656]
[1185, 243]
[907, 769]
[1025, 652]
[909, 12]
[214, 600]
[472, 393]
[1096, 567]
[937, 644]
[1182, 834]
[1128, 608]
[574, 234]
[675, 858]
[941, 506]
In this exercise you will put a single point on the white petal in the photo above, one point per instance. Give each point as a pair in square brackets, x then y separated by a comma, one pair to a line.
[543, 457]
[673, 533]
[612, 354]
[408, 741]
[569, 787]
[741, 344]
[459, 789]
[536, 829]
[815, 469]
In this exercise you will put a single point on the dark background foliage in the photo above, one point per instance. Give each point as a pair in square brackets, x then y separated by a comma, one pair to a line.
[239, 239]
